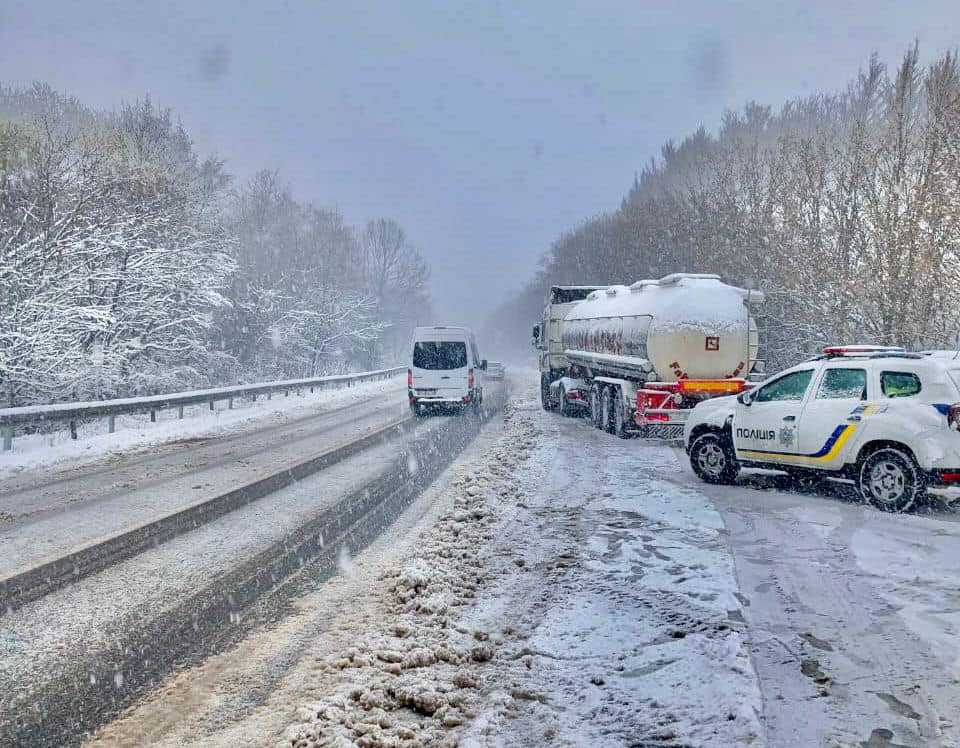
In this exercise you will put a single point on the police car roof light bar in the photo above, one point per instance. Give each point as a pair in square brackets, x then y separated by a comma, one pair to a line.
[861, 350]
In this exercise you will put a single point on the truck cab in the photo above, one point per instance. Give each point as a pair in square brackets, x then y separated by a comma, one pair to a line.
[548, 337]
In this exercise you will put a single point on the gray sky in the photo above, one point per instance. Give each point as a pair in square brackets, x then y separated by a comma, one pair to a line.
[485, 128]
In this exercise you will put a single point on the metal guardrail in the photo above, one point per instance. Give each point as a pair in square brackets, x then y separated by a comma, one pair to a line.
[73, 412]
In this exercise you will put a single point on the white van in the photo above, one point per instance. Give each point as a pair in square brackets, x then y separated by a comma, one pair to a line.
[446, 370]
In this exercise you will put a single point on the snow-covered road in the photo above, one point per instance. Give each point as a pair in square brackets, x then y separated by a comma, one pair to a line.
[854, 617]
[557, 586]
[78, 653]
[48, 510]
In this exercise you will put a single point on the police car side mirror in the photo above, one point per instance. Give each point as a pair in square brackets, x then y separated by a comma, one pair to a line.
[744, 398]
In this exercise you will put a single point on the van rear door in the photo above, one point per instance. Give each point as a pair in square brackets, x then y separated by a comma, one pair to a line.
[440, 368]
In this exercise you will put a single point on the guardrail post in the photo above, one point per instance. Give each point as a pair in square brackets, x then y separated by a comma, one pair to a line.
[211, 405]
[7, 438]
[111, 424]
[311, 390]
[180, 412]
[73, 430]
[269, 396]
[229, 403]
[153, 416]
[286, 393]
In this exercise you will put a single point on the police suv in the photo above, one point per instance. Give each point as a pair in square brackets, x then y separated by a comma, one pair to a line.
[882, 418]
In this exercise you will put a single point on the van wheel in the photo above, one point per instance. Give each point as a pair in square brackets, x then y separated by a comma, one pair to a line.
[891, 480]
[605, 420]
[619, 420]
[595, 412]
[713, 460]
[545, 400]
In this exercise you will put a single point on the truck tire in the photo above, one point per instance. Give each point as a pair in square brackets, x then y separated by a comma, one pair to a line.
[713, 460]
[595, 407]
[545, 400]
[605, 408]
[619, 417]
[891, 480]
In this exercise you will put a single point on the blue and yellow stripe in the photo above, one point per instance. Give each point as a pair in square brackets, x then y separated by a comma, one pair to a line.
[826, 453]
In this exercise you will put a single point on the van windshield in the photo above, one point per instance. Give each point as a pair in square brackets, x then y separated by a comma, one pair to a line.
[440, 354]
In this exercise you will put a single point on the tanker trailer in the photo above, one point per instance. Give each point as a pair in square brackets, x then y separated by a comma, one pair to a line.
[642, 356]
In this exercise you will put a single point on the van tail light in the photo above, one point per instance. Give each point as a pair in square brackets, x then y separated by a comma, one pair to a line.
[409, 379]
[470, 378]
[953, 417]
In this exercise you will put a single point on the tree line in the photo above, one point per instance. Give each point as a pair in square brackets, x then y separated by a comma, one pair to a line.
[131, 264]
[843, 208]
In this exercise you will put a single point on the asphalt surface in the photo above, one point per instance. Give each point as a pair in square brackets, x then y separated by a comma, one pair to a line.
[53, 512]
[72, 659]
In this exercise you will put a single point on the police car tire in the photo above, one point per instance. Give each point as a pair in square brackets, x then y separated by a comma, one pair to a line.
[897, 462]
[719, 447]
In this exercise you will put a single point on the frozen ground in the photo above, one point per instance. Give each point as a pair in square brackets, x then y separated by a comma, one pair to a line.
[557, 586]
[135, 432]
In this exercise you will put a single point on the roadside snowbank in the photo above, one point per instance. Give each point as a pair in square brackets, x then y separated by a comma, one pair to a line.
[417, 674]
[135, 432]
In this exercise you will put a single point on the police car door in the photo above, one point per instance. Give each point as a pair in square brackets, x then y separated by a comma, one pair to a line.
[828, 418]
[765, 427]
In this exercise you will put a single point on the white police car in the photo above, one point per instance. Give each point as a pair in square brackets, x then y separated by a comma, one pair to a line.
[886, 419]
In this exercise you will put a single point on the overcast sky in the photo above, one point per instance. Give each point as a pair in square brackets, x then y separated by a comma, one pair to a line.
[485, 128]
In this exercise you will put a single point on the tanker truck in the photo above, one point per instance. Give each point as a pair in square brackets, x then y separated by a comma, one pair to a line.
[641, 356]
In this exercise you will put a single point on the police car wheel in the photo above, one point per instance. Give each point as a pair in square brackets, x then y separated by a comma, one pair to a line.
[712, 459]
[890, 480]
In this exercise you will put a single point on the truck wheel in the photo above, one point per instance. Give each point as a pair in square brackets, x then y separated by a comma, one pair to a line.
[605, 420]
[891, 480]
[595, 413]
[545, 400]
[713, 460]
[619, 419]
[565, 409]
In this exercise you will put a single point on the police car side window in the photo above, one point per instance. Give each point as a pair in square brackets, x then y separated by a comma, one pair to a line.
[843, 383]
[899, 383]
[790, 387]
